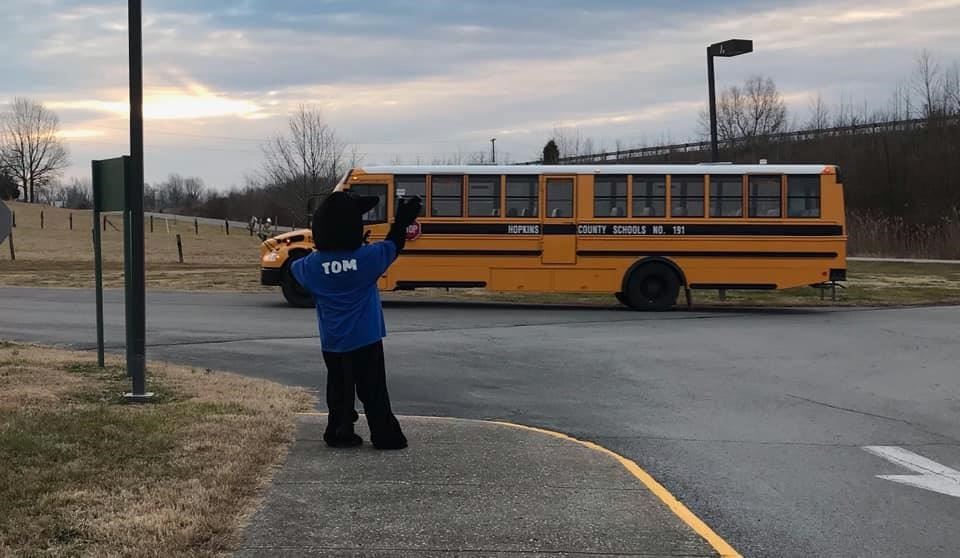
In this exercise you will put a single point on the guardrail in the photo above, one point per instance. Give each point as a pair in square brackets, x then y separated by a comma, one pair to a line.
[698, 146]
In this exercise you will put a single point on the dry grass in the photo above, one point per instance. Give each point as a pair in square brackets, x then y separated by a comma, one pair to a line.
[86, 474]
[56, 256]
[880, 236]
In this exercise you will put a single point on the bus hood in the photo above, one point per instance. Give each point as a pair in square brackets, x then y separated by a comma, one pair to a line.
[297, 235]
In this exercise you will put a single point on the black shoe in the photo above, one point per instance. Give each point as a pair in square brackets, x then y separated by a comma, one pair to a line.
[343, 437]
[393, 441]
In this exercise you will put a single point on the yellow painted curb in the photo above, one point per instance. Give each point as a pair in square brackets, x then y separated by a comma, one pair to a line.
[716, 541]
[722, 547]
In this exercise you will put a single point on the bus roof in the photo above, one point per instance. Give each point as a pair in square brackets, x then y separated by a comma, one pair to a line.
[701, 168]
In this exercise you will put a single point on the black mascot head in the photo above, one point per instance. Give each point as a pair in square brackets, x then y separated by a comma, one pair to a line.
[338, 222]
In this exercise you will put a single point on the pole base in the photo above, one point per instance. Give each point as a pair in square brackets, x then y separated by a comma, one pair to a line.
[138, 397]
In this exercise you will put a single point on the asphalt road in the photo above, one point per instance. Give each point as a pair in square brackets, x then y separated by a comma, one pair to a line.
[755, 419]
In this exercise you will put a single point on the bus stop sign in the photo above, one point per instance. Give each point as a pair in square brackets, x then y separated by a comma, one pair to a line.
[6, 222]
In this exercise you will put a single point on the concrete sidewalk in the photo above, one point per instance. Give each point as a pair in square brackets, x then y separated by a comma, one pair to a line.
[462, 488]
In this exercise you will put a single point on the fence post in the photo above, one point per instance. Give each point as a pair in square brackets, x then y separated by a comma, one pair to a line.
[179, 248]
[227, 225]
[13, 253]
[14, 215]
[151, 224]
[41, 218]
[196, 226]
[104, 223]
[71, 221]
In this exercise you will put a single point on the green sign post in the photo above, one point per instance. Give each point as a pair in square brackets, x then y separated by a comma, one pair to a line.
[112, 185]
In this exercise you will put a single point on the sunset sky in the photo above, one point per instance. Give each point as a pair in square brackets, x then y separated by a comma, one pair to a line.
[428, 78]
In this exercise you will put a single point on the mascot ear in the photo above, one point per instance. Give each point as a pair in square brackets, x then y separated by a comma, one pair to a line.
[366, 203]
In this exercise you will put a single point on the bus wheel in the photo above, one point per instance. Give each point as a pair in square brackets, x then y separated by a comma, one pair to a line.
[296, 295]
[653, 286]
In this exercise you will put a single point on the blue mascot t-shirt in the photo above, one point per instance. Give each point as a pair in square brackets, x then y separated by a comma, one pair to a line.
[344, 287]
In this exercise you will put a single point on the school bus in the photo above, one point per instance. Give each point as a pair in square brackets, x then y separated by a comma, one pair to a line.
[639, 232]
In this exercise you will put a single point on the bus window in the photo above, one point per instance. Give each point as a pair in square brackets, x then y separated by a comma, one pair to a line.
[446, 196]
[803, 196]
[610, 196]
[686, 196]
[559, 197]
[379, 213]
[484, 196]
[764, 196]
[409, 186]
[523, 196]
[726, 196]
[649, 196]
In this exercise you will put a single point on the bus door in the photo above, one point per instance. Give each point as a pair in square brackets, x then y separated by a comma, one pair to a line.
[376, 221]
[559, 228]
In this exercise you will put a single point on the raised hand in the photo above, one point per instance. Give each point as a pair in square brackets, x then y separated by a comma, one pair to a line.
[408, 210]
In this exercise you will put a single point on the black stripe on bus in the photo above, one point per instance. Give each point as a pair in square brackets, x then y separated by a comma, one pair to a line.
[531, 252]
[711, 254]
[630, 229]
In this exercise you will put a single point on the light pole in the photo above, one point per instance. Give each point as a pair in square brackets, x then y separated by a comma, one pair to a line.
[134, 258]
[726, 49]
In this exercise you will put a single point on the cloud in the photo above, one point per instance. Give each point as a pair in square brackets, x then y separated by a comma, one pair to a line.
[420, 77]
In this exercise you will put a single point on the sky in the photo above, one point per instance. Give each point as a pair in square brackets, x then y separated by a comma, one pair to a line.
[417, 80]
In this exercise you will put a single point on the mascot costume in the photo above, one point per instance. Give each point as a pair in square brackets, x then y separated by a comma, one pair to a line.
[342, 276]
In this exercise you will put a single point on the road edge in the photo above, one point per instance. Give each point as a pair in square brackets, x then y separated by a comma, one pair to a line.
[723, 548]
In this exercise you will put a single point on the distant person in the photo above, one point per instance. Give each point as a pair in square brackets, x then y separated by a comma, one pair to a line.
[252, 227]
[266, 229]
[342, 276]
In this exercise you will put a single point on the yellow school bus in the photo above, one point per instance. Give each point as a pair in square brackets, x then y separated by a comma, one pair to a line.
[639, 232]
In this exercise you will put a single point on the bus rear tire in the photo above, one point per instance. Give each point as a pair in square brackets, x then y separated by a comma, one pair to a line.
[295, 295]
[654, 286]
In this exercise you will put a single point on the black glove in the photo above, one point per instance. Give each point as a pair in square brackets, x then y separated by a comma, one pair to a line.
[408, 210]
[406, 213]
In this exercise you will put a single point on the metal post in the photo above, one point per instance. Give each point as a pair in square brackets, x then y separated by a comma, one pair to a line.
[13, 253]
[493, 151]
[98, 284]
[136, 329]
[41, 218]
[196, 226]
[179, 248]
[714, 149]
[151, 224]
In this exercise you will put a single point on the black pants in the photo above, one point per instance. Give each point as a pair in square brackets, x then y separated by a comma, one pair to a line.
[360, 371]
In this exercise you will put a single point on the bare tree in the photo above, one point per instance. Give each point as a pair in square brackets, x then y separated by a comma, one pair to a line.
[76, 195]
[569, 141]
[30, 150]
[928, 84]
[193, 191]
[951, 89]
[754, 109]
[306, 160]
[819, 114]
[173, 191]
[9, 189]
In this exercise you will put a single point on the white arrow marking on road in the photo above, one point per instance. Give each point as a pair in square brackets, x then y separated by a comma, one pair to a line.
[931, 475]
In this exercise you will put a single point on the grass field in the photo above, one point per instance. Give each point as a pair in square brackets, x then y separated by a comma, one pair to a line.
[59, 257]
[85, 474]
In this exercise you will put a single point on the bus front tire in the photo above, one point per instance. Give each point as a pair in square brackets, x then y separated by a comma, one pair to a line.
[295, 295]
[652, 286]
